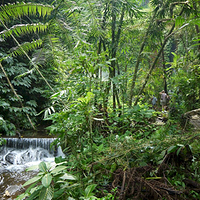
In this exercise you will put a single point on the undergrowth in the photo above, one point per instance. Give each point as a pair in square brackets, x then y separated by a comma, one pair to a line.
[163, 164]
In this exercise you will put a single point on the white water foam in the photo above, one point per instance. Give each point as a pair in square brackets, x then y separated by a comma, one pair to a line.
[19, 154]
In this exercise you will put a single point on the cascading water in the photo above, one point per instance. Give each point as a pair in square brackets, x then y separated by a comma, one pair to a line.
[18, 154]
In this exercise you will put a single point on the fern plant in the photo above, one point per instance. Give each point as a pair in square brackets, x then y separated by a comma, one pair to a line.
[19, 94]
[12, 12]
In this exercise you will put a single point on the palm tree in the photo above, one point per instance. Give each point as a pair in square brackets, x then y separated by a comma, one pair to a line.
[14, 13]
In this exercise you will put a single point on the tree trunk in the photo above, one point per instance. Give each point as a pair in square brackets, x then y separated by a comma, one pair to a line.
[196, 26]
[156, 59]
[164, 72]
[115, 42]
[101, 41]
[154, 64]
[138, 62]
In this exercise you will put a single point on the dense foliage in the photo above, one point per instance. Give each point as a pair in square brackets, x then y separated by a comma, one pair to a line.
[86, 71]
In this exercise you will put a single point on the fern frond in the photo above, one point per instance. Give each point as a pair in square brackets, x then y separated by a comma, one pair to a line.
[26, 73]
[21, 29]
[10, 11]
[179, 21]
[27, 46]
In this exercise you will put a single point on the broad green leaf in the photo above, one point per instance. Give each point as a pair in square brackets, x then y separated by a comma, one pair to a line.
[46, 180]
[68, 177]
[33, 195]
[46, 193]
[112, 59]
[162, 154]
[34, 167]
[68, 186]
[33, 180]
[31, 188]
[142, 164]
[60, 163]
[43, 167]
[58, 169]
[177, 153]
[172, 149]
[89, 189]
[21, 196]
[98, 119]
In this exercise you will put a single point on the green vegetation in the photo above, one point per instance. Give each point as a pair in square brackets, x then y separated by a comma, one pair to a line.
[85, 72]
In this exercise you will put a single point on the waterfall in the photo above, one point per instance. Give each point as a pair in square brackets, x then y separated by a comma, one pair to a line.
[22, 152]
[25, 143]
[19, 153]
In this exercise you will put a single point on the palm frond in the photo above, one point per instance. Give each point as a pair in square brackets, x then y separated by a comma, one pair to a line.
[10, 11]
[21, 29]
[179, 21]
[27, 46]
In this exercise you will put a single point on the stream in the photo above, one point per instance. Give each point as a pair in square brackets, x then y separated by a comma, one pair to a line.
[18, 154]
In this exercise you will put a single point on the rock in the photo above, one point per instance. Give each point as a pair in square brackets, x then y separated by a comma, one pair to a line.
[12, 190]
[10, 158]
[7, 194]
[1, 179]
[195, 117]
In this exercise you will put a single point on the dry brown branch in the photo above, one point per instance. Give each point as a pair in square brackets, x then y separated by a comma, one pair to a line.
[192, 112]
[132, 184]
